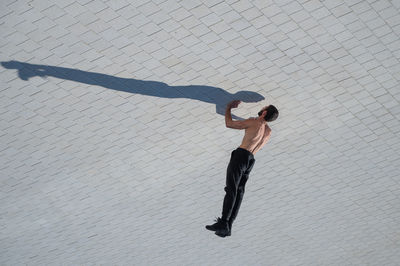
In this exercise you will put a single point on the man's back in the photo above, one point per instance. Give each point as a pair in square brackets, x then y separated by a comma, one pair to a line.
[256, 136]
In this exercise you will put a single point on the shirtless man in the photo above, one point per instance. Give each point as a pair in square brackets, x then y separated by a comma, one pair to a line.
[257, 133]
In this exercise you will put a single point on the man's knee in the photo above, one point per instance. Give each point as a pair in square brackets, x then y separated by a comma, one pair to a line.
[241, 190]
[230, 191]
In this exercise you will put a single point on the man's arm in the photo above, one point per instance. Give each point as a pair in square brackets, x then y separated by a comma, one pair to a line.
[228, 117]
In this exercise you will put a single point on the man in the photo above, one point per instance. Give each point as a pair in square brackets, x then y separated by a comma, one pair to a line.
[257, 133]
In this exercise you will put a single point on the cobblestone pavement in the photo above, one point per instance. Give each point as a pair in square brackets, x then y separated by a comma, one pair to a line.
[114, 148]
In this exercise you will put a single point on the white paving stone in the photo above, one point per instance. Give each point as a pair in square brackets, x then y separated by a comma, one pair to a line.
[113, 146]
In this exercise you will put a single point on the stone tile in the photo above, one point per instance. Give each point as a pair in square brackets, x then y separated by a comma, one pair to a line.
[112, 130]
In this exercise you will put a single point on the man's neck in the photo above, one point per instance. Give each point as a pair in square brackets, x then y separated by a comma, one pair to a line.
[262, 120]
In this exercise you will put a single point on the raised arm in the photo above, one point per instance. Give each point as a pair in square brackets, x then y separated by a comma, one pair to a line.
[228, 117]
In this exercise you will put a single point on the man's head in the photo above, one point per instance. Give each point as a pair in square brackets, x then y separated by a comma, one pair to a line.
[271, 113]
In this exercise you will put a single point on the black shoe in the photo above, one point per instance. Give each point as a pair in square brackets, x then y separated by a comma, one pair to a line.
[223, 232]
[230, 229]
[220, 224]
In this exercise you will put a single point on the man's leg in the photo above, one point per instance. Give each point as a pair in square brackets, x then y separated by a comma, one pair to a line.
[240, 194]
[238, 200]
[236, 168]
[233, 175]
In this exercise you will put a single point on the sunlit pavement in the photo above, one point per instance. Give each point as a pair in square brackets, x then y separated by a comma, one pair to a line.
[113, 145]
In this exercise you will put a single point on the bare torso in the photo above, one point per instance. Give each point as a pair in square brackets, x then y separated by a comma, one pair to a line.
[256, 136]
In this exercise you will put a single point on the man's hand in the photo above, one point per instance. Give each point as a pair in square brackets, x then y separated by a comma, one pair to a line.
[234, 104]
[228, 117]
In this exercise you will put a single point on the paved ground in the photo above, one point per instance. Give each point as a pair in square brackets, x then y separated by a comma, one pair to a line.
[114, 149]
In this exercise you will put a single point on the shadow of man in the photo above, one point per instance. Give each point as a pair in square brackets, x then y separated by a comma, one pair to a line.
[207, 94]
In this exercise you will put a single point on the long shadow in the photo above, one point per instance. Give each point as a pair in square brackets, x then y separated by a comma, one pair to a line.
[207, 94]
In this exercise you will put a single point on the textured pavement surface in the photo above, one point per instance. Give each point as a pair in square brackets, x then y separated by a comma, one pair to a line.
[113, 147]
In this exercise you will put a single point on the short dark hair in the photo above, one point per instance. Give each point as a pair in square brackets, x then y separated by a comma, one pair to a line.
[272, 113]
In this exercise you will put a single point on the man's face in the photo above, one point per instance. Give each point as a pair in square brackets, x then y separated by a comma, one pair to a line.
[262, 110]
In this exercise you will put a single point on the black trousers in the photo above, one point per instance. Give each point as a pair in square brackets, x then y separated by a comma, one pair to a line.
[239, 167]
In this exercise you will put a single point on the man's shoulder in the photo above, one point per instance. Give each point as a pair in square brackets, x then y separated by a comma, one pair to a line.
[255, 123]
[252, 120]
